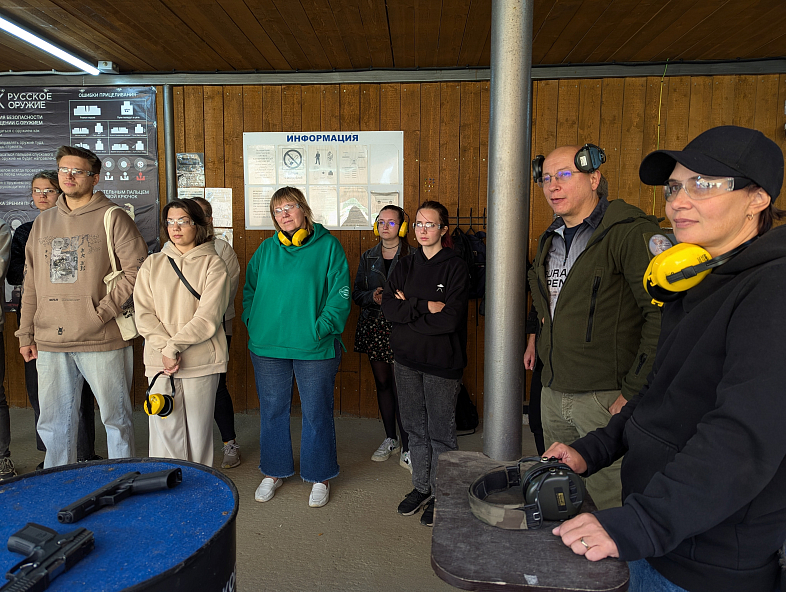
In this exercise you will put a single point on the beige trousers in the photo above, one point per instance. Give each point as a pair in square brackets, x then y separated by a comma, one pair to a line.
[570, 416]
[187, 433]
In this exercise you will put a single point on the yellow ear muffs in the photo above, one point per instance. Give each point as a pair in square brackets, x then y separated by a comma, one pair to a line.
[158, 404]
[297, 239]
[675, 270]
[403, 227]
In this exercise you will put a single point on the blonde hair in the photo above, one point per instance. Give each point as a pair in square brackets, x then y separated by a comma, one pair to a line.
[291, 194]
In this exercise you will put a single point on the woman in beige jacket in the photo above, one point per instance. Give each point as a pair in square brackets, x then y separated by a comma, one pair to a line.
[184, 337]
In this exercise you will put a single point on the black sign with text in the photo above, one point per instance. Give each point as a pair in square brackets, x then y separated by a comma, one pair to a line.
[117, 123]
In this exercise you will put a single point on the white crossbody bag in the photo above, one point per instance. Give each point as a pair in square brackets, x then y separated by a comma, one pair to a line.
[125, 320]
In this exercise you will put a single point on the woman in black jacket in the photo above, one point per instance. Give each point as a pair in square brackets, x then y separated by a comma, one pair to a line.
[704, 466]
[426, 300]
[372, 335]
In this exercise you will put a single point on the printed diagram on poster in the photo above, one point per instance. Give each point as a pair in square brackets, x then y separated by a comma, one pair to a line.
[322, 165]
[293, 165]
[323, 200]
[354, 164]
[346, 177]
[190, 169]
[220, 199]
[380, 200]
[118, 124]
[261, 162]
[354, 207]
[190, 192]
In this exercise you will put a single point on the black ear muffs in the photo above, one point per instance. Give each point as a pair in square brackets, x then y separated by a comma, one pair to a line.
[158, 404]
[554, 488]
[589, 158]
[297, 239]
[549, 490]
[537, 169]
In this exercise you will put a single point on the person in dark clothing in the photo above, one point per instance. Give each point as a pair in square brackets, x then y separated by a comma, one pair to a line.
[224, 412]
[532, 362]
[45, 190]
[704, 466]
[426, 300]
[372, 335]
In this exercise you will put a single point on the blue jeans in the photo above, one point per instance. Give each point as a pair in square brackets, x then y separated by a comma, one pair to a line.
[645, 578]
[315, 382]
[428, 413]
[60, 378]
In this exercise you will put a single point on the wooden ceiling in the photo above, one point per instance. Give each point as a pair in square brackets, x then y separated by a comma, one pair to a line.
[284, 35]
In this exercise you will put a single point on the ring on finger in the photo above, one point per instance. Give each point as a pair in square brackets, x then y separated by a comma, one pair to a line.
[583, 542]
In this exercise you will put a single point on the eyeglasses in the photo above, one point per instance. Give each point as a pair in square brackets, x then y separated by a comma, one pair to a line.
[698, 188]
[285, 208]
[180, 222]
[383, 223]
[426, 225]
[44, 192]
[561, 176]
[75, 172]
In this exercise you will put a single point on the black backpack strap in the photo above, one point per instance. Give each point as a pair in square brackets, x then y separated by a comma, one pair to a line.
[183, 278]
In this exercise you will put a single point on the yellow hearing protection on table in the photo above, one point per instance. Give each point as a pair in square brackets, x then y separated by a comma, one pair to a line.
[297, 238]
[158, 404]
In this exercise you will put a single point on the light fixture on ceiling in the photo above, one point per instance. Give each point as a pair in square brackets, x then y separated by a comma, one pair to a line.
[17, 31]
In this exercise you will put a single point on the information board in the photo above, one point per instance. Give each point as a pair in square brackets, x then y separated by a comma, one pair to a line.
[347, 177]
[117, 123]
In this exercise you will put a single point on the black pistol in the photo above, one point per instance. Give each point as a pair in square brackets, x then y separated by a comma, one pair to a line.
[47, 555]
[118, 490]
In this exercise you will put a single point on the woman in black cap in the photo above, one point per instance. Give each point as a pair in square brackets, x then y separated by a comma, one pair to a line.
[704, 467]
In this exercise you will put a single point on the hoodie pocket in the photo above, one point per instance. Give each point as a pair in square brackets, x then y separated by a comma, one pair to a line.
[67, 319]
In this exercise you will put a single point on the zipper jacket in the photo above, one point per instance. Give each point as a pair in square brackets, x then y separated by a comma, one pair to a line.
[371, 275]
[605, 327]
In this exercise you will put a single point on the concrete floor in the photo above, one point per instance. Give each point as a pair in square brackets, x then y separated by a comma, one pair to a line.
[355, 543]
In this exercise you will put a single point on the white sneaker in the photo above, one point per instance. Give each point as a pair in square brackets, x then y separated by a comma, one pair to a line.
[267, 489]
[388, 447]
[405, 461]
[320, 495]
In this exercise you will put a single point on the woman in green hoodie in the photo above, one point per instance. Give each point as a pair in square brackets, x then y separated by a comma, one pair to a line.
[295, 305]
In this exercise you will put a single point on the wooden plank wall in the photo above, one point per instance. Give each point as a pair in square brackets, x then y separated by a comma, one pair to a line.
[445, 157]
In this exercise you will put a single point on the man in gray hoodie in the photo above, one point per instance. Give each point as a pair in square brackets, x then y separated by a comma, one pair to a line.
[68, 318]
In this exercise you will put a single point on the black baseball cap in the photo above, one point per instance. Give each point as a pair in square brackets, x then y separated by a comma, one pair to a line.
[724, 151]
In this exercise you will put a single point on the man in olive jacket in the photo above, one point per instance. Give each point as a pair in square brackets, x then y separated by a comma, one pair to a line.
[598, 327]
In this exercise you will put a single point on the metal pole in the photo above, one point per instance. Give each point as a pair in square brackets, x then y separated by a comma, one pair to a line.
[169, 144]
[508, 204]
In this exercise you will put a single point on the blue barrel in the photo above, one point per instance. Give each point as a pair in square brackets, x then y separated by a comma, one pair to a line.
[174, 539]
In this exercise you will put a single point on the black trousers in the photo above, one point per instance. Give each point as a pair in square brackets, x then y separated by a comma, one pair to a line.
[224, 412]
[535, 421]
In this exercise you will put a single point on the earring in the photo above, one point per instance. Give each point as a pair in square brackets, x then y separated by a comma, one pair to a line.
[749, 216]
[32, 204]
